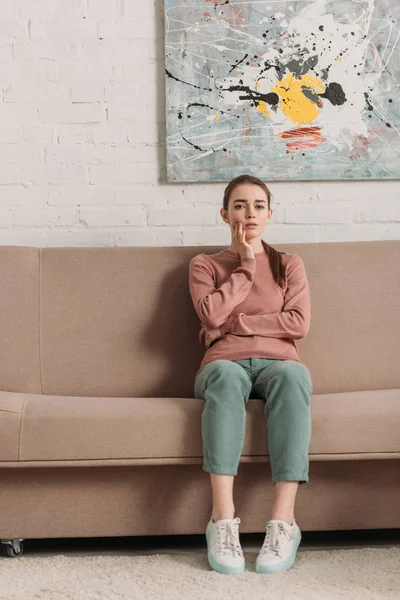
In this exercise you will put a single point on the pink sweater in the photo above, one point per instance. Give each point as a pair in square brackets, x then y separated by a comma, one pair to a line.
[257, 318]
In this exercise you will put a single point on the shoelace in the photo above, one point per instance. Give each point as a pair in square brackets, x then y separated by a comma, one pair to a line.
[275, 537]
[228, 537]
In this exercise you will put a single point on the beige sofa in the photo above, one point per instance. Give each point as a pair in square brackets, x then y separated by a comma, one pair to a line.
[99, 428]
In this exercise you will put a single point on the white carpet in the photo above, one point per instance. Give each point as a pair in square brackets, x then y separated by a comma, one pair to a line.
[355, 574]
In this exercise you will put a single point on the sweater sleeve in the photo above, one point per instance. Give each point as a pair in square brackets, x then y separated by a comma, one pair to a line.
[294, 320]
[213, 305]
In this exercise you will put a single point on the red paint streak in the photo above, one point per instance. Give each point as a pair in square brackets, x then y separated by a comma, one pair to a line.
[208, 15]
[296, 146]
[300, 132]
[305, 138]
[362, 144]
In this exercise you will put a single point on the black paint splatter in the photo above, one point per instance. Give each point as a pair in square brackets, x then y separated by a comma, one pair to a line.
[185, 82]
[335, 94]
[218, 5]
[202, 149]
[272, 99]
[269, 66]
[212, 108]
[194, 145]
[238, 63]
[371, 108]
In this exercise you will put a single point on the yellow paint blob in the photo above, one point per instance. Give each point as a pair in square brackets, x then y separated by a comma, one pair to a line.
[294, 104]
[262, 107]
[217, 117]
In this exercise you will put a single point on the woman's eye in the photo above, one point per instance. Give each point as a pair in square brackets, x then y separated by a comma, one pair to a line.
[241, 206]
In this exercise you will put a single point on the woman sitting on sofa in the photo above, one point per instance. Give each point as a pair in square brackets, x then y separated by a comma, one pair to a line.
[253, 303]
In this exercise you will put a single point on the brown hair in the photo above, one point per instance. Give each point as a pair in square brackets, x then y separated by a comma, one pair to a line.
[275, 258]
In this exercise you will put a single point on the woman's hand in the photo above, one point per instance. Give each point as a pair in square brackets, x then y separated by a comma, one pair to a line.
[209, 335]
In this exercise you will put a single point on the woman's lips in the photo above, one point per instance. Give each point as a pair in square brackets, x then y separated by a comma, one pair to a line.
[251, 226]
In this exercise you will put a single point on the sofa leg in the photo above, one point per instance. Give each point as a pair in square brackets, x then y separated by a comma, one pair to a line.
[14, 548]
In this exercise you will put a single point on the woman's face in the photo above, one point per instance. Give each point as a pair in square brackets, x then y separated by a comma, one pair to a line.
[248, 204]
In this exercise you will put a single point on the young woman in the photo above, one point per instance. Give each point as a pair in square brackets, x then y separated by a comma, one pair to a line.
[253, 303]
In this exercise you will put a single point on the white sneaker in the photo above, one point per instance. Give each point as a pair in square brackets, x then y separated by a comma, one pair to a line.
[278, 551]
[225, 553]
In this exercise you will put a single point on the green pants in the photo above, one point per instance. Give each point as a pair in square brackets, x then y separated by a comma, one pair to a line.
[285, 386]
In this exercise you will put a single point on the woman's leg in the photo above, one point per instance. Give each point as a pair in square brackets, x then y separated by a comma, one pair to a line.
[225, 386]
[286, 387]
[222, 496]
[284, 500]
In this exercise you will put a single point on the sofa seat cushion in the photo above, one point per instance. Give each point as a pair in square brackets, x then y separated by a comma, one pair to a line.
[55, 429]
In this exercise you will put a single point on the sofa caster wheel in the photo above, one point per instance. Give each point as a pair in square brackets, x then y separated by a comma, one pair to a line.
[14, 548]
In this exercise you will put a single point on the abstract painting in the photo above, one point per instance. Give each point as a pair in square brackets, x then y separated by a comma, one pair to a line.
[284, 90]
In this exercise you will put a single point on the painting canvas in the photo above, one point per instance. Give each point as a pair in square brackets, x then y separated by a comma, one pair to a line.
[284, 90]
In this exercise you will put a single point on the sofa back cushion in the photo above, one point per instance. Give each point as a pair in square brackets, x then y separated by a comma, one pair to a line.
[120, 321]
[19, 319]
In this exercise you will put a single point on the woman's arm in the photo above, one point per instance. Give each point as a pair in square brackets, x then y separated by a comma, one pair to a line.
[294, 320]
[213, 306]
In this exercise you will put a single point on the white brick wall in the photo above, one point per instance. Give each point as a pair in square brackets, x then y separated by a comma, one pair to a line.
[82, 142]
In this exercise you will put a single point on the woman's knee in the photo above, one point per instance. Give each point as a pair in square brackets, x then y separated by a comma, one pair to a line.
[292, 372]
[225, 374]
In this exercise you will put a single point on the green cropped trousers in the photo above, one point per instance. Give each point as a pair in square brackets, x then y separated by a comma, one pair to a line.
[285, 386]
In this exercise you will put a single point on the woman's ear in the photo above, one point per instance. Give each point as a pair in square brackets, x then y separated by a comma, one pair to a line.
[224, 216]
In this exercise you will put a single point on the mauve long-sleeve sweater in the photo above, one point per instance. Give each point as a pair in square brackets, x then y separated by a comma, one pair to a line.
[257, 318]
